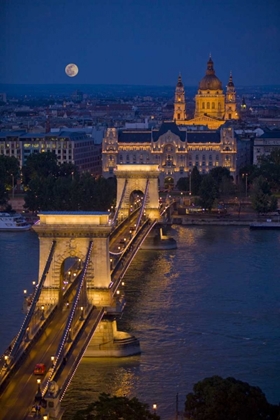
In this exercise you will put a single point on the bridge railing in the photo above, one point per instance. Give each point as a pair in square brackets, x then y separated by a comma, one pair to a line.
[129, 253]
[85, 342]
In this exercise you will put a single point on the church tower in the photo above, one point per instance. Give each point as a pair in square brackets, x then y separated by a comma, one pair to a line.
[210, 99]
[230, 104]
[179, 102]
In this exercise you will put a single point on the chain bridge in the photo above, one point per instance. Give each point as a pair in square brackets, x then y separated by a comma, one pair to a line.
[83, 257]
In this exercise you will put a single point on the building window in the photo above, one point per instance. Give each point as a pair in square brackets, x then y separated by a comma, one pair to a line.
[203, 105]
[213, 105]
[208, 105]
[178, 116]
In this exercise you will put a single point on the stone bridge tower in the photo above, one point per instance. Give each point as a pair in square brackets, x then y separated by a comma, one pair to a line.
[142, 178]
[72, 233]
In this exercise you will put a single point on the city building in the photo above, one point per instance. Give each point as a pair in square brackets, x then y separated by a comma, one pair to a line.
[75, 147]
[265, 144]
[212, 106]
[174, 149]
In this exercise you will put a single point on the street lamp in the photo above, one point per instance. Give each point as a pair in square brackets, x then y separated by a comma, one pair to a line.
[52, 360]
[6, 358]
[82, 313]
[246, 183]
[39, 386]
[13, 185]
[190, 182]
[42, 315]
[155, 408]
[27, 334]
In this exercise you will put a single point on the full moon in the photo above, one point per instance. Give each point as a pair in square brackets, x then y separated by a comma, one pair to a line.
[71, 70]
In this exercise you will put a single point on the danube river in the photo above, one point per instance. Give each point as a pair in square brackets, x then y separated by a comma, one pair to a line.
[211, 307]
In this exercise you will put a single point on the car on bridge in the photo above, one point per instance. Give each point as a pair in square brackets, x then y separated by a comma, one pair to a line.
[40, 369]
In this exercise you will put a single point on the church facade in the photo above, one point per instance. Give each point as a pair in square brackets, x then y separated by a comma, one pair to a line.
[179, 145]
[212, 106]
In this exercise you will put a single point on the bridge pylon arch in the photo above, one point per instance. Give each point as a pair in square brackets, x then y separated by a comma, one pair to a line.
[72, 233]
[134, 178]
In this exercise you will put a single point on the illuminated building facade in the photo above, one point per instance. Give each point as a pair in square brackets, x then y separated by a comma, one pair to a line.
[172, 148]
[70, 147]
[212, 106]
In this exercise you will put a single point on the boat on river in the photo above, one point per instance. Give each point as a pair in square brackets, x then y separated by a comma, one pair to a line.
[13, 222]
[268, 224]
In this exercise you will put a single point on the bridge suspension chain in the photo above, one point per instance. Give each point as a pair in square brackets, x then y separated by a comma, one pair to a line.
[70, 317]
[143, 205]
[120, 203]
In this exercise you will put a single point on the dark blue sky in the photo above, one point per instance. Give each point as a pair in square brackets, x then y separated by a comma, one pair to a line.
[139, 42]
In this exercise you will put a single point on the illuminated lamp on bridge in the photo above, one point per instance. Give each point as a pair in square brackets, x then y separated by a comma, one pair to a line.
[43, 312]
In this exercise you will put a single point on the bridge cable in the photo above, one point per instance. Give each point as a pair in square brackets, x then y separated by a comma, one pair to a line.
[71, 315]
[143, 205]
[120, 203]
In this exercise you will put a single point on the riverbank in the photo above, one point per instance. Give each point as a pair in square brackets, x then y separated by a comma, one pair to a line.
[188, 221]
[245, 219]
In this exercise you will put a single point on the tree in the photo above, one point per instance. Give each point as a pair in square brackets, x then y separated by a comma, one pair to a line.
[3, 195]
[39, 165]
[196, 179]
[262, 199]
[9, 170]
[70, 193]
[219, 172]
[216, 398]
[208, 192]
[223, 179]
[116, 408]
[183, 184]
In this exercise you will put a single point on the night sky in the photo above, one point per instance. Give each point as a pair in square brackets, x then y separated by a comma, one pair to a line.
[139, 42]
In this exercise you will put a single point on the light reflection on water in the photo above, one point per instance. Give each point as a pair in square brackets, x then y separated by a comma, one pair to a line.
[210, 307]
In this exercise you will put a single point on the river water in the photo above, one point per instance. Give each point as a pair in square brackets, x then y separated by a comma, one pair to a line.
[211, 307]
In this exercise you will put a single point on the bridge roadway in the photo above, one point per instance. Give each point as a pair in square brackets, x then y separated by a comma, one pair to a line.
[18, 397]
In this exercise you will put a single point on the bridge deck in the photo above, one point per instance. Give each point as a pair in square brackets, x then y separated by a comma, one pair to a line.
[17, 398]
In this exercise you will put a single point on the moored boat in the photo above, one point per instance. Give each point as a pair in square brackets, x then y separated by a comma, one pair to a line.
[10, 222]
[268, 224]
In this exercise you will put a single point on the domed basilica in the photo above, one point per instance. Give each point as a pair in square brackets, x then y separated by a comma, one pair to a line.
[212, 106]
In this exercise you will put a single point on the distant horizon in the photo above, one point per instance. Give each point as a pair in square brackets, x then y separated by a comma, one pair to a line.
[125, 84]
